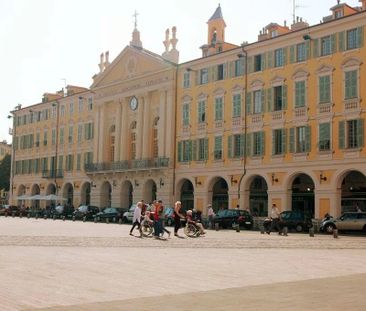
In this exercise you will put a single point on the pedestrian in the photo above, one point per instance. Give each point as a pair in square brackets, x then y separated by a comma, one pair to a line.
[195, 223]
[157, 210]
[211, 215]
[137, 219]
[163, 221]
[177, 217]
[275, 219]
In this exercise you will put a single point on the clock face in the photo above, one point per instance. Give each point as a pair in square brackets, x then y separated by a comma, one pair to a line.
[133, 103]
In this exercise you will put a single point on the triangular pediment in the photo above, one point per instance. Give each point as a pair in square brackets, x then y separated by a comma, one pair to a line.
[131, 63]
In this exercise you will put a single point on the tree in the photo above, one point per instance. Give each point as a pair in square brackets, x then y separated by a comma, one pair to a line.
[5, 165]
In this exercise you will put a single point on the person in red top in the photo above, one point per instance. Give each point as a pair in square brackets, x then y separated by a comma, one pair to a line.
[157, 210]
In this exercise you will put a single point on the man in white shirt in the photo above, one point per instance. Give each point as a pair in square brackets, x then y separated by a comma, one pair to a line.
[275, 219]
[137, 218]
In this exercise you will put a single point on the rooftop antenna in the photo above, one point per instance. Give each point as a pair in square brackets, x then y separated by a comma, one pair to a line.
[294, 7]
[135, 16]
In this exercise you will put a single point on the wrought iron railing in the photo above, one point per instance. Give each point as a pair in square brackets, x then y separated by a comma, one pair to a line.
[141, 164]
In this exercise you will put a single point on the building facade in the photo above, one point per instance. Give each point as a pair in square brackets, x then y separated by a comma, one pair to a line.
[280, 120]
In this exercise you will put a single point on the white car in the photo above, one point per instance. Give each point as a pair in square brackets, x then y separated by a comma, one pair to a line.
[128, 216]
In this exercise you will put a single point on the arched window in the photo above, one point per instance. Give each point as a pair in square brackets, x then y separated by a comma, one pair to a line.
[133, 140]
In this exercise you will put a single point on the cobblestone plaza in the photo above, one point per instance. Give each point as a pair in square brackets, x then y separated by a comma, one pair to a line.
[56, 265]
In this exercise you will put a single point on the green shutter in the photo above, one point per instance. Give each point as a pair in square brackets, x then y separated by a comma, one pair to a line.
[270, 59]
[283, 147]
[231, 69]
[230, 146]
[341, 134]
[333, 43]
[360, 37]
[284, 56]
[247, 146]
[263, 100]
[324, 132]
[273, 142]
[197, 78]
[270, 99]
[307, 49]
[193, 148]
[224, 70]
[315, 48]
[248, 103]
[292, 140]
[292, 54]
[262, 140]
[250, 64]
[341, 43]
[284, 97]
[360, 131]
[263, 62]
[206, 148]
[308, 138]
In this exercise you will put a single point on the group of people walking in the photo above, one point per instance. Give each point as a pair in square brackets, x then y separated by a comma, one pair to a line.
[156, 217]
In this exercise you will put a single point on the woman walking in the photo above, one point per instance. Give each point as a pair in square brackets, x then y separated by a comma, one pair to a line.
[177, 217]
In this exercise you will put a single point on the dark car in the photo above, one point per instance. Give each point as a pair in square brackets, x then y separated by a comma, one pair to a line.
[85, 212]
[109, 213]
[228, 218]
[293, 220]
[10, 210]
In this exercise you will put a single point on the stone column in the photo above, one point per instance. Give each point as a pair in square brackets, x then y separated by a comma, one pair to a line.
[162, 124]
[146, 136]
[117, 149]
[96, 135]
[124, 137]
[170, 126]
[140, 127]
[116, 190]
[101, 141]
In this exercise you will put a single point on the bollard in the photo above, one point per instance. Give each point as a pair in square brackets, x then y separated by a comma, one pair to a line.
[107, 220]
[36, 215]
[335, 233]
[216, 226]
[84, 219]
[284, 231]
[20, 215]
[237, 228]
[54, 217]
[13, 214]
[63, 218]
[262, 229]
[120, 221]
[45, 217]
[95, 219]
[28, 215]
[114, 219]
[311, 232]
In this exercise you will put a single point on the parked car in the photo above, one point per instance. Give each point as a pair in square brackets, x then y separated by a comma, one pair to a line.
[295, 220]
[9, 210]
[128, 216]
[110, 213]
[227, 218]
[352, 221]
[85, 212]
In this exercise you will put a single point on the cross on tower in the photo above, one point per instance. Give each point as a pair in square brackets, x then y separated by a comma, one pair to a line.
[135, 16]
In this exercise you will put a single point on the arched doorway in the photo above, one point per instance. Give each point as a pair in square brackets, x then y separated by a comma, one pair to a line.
[220, 197]
[353, 192]
[51, 189]
[258, 197]
[85, 194]
[68, 194]
[20, 192]
[35, 191]
[126, 198]
[106, 195]
[187, 195]
[303, 195]
[149, 191]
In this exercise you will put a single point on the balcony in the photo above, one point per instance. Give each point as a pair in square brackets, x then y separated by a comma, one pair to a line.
[53, 174]
[127, 165]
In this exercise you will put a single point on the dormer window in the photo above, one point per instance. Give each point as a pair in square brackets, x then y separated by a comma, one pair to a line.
[274, 33]
[338, 14]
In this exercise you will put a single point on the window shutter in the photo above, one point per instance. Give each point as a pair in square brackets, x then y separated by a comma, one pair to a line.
[324, 132]
[270, 99]
[360, 131]
[273, 142]
[212, 73]
[284, 56]
[270, 59]
[198, 73]
[262, 140]
[247, 145]
[341, 43]
[263, 61]
[307, 49]
[193, 148]
[249, 103]
[231, 69]
[341, 135]
[284, 97]
[230, 146]
[333, 43]
[308, 138]
[292, 53]
[292, 140]
[250, 64]
[263, 100]
[224, 70]
[206, 148]
[315, 48]
[360, 37]
[283, 133]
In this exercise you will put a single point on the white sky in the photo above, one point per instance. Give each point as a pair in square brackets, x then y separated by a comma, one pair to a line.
[43, 42]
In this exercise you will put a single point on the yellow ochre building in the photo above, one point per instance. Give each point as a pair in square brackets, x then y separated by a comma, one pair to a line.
[280, 120]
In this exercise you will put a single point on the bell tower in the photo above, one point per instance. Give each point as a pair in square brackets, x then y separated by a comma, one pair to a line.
[216, 28]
